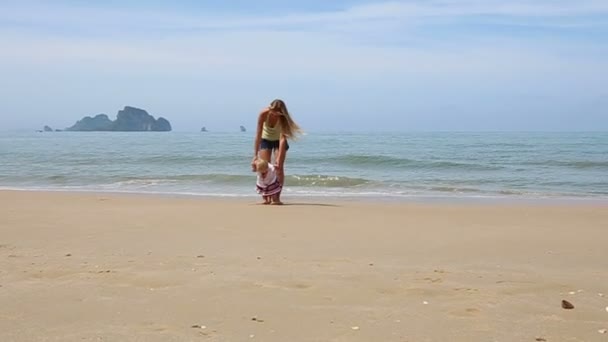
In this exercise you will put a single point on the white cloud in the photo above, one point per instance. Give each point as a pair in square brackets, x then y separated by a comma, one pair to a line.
[268, 53]
[141, 18]
[354, 42]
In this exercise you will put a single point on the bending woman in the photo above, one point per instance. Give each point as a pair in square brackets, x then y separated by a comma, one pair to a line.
[275, 127]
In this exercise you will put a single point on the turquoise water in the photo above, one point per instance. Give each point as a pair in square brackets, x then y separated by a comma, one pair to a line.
[351, 165]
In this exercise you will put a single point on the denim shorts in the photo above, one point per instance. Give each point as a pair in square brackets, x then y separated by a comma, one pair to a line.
[272, 145]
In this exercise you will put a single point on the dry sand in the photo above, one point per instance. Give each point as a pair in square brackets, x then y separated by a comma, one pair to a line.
[100, 267]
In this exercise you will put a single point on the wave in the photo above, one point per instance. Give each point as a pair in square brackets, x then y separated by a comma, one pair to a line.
[326, 181]
[450, 189]
[154, 160]
[236, 180]
[360, 160]
[575, 164]
[183, 179]
[57, 178]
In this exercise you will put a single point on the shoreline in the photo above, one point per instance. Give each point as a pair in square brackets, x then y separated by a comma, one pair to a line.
[363, 199]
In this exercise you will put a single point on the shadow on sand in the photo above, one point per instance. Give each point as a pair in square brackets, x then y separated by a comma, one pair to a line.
[301, 204]
[311, 204]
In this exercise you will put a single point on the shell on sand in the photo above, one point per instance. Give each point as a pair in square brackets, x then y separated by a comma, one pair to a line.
[567, 305]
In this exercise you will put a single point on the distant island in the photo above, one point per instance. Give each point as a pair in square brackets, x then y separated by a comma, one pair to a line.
[47, 129]
[130, 119]
[243, 129]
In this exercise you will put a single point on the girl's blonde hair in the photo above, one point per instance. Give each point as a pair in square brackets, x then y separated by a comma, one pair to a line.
[288, 127]
[261, 165]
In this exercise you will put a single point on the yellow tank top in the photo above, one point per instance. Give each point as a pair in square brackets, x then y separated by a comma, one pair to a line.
[271, 133]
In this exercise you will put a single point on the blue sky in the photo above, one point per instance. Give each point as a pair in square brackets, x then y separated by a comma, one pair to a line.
[340, 65]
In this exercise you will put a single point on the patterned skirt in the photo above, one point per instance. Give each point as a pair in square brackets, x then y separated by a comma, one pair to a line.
[269, 190]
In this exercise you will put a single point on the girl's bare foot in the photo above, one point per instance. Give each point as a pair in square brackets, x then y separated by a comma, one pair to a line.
[277, 203]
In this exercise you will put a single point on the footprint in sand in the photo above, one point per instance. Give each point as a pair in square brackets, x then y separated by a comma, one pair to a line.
[468, 312]
[465, 289]
[433, 280]
[159, 327]
[299, 286]
[285, 286]
[54, 274]
[411, 291]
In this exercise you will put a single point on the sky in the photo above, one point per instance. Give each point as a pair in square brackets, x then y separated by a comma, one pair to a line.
[340, 65]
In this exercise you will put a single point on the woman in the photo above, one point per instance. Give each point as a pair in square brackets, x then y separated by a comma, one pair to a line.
[275, 126]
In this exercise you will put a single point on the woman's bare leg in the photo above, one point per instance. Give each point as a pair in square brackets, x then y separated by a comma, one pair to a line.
[276, 199]
[281, 155]
[265, 154]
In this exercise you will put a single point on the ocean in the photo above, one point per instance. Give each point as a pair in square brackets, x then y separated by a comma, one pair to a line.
[337, 165]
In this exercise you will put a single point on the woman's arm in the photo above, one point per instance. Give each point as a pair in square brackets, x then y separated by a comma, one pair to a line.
[258, 136]
[258, 133]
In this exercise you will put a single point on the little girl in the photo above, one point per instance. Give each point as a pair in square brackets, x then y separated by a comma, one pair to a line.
[268, 184]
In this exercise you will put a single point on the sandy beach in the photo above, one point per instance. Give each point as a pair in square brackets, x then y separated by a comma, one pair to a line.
[104, 267]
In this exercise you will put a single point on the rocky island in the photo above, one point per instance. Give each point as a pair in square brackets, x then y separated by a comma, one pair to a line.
[130, 119]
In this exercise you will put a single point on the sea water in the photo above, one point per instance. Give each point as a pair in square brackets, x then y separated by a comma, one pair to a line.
[346, 165]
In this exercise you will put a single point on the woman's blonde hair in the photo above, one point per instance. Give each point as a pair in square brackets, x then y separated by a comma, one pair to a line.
[288, 127]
